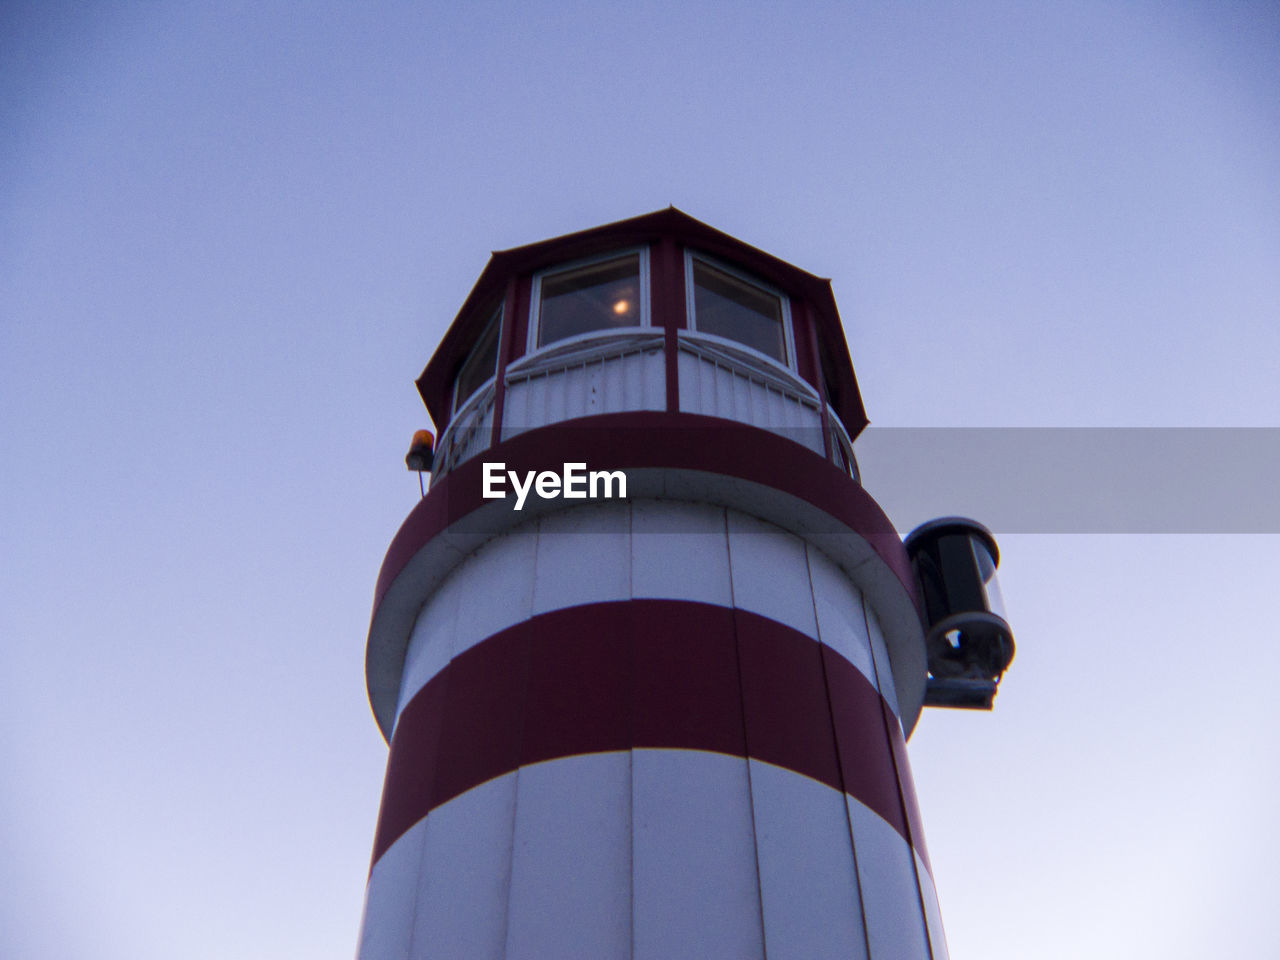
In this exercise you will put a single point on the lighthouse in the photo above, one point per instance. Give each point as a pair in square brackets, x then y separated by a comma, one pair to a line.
[646, 653]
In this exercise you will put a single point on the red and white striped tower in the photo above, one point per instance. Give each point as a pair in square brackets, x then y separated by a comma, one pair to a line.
[661, 726]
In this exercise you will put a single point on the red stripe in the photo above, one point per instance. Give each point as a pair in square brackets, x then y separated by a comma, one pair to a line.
[667, 263]
[784, 698]
[685, 684]
[623, 441]
[643, 673]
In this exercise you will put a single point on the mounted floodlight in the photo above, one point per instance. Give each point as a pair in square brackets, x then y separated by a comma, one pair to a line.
[420, 451]
[969, 643]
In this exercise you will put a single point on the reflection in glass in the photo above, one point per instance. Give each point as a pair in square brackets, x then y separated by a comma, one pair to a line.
[602, 296]
[990, 583]
[482, 362]
[728, 307]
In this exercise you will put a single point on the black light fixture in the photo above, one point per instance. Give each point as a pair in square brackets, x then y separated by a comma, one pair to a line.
[969, 643]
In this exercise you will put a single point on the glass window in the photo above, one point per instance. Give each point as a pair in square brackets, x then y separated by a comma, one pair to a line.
[481, 364]
[599, 296]
[842, 457]
[730, 307]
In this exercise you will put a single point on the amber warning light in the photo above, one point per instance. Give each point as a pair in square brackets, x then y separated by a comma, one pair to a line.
[419, 456]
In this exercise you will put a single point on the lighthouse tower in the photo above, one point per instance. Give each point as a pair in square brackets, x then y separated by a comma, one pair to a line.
[646, 653]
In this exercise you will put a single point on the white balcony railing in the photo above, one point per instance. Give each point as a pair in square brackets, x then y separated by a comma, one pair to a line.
[584, 378]
[612, 373]
[718, 381]
[468, 433]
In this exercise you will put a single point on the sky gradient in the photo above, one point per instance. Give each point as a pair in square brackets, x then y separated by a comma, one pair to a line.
[231, 236]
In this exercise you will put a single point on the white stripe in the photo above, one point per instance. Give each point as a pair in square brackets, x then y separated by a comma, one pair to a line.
[387, 925]
[842, 625]
[496, 586]
[431, 642]
[808, 881]
[932, 913]
[887, 878]
[696, 896]
[884, 672]
[679, 551]
[466, 872]
[584, 556]
[770, 573]
[571, 867]
[656, 854]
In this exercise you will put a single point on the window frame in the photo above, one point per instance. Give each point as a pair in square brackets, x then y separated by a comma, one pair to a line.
[789, 362]
[496, 318]
[535, 298]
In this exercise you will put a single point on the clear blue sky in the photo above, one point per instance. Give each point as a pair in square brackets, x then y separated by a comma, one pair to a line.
[231, 235]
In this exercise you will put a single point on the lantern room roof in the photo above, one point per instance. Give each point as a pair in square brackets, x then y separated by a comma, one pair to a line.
[435, 382]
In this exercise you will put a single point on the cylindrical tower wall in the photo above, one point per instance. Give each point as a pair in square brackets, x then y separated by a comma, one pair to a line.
[671, 725]
[648, 729]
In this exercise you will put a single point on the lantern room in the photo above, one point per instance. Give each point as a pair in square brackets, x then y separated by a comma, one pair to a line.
[660, 313]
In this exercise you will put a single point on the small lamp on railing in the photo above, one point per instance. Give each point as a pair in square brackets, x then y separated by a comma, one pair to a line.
[419, 456]
[969, 643]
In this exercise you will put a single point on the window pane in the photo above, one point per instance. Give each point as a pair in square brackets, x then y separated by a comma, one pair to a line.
[482, 363]
[599, 297]
[732, 308]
